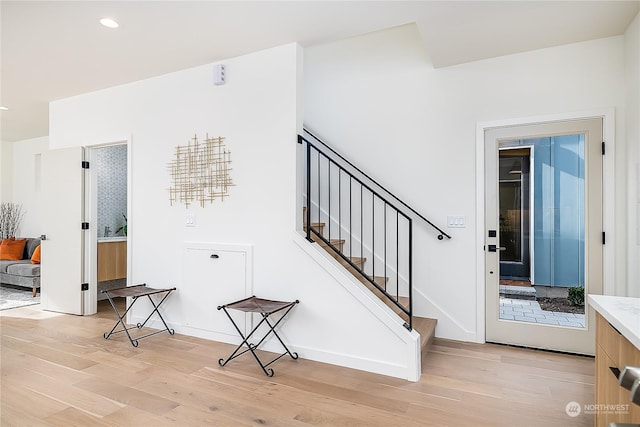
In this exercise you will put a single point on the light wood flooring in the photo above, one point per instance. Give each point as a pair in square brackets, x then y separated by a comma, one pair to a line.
[58, 370]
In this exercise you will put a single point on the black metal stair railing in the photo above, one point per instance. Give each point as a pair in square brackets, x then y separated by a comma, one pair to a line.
[362, 219]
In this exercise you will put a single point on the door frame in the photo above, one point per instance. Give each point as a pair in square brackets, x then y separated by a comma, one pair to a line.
[91, 239]
[608, 189]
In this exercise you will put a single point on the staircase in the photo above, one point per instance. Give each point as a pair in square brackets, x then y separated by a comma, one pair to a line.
[366, 228]
[426, 327]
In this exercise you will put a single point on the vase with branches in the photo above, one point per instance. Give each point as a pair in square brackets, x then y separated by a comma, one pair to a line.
[11, 215]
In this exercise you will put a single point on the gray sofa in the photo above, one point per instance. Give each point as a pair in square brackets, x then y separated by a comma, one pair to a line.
[22, 273]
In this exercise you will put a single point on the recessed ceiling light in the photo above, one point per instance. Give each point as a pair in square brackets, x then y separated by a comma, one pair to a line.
[4, 108]
[109, 23]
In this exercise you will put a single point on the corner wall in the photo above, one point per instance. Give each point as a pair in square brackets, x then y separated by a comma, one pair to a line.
[258, 113]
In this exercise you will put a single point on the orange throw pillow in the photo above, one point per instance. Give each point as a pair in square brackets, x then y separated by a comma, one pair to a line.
[35, 258]
[12, 249]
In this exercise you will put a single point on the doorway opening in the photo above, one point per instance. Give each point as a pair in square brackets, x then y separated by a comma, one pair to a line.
[109, 202]
[543, 227]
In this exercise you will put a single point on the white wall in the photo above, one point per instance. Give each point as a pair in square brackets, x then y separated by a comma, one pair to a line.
[378, 100]
[632, 83]
[25, 183]
[257, 110]
[6, 171]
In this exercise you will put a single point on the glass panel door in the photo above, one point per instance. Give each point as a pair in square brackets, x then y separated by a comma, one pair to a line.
[543, 198]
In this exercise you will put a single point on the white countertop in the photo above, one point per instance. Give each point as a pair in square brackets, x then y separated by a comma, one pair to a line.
[622, 312]
[112, 239]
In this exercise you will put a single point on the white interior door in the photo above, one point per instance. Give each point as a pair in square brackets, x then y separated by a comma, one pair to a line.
[566, 232]
[63, 247]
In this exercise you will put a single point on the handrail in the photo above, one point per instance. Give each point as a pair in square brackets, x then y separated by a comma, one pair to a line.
[418, 214]
[324, 186]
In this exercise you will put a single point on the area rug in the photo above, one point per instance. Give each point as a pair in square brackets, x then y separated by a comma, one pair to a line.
[16, 297]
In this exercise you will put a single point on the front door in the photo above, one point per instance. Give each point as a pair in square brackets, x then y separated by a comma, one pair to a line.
[553, 238]
[63, 244]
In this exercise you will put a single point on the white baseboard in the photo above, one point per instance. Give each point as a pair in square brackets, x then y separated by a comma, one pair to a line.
[304, 352]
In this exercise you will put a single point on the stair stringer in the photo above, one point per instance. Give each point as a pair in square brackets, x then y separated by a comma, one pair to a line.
[387, 318]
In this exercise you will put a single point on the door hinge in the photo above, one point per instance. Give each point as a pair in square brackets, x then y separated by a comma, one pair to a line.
[603, 238]
[84, 287]
[85, 164]
[603, 148]
[85, 225]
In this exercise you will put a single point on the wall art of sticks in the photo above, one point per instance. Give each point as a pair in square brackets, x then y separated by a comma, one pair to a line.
[200, 172]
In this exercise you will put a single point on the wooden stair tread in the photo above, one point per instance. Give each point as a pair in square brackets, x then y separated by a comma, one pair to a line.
[356, 260]
[380, 280]
[338, 243]
[315, 225]
[426, 327]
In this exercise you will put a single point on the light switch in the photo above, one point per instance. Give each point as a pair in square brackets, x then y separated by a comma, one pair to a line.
[455, 221]
[190, 220]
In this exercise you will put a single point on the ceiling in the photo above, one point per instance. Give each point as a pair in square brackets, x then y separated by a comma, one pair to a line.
[55, 49]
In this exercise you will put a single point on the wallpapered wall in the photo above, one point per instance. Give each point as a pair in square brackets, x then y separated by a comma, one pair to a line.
[111, 171]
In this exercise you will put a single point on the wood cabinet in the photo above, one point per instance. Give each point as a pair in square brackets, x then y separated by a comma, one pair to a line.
[112, 260]
[613, 350]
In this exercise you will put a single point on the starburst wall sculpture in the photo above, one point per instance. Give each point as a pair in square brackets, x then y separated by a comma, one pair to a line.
[200, 172]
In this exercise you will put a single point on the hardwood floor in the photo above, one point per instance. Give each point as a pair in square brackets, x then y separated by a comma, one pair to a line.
[58, 370]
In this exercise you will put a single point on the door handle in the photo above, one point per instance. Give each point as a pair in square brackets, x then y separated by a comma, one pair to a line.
[494, 248]
[215, 256]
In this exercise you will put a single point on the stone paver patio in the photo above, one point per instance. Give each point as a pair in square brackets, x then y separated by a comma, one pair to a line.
[530, 311]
